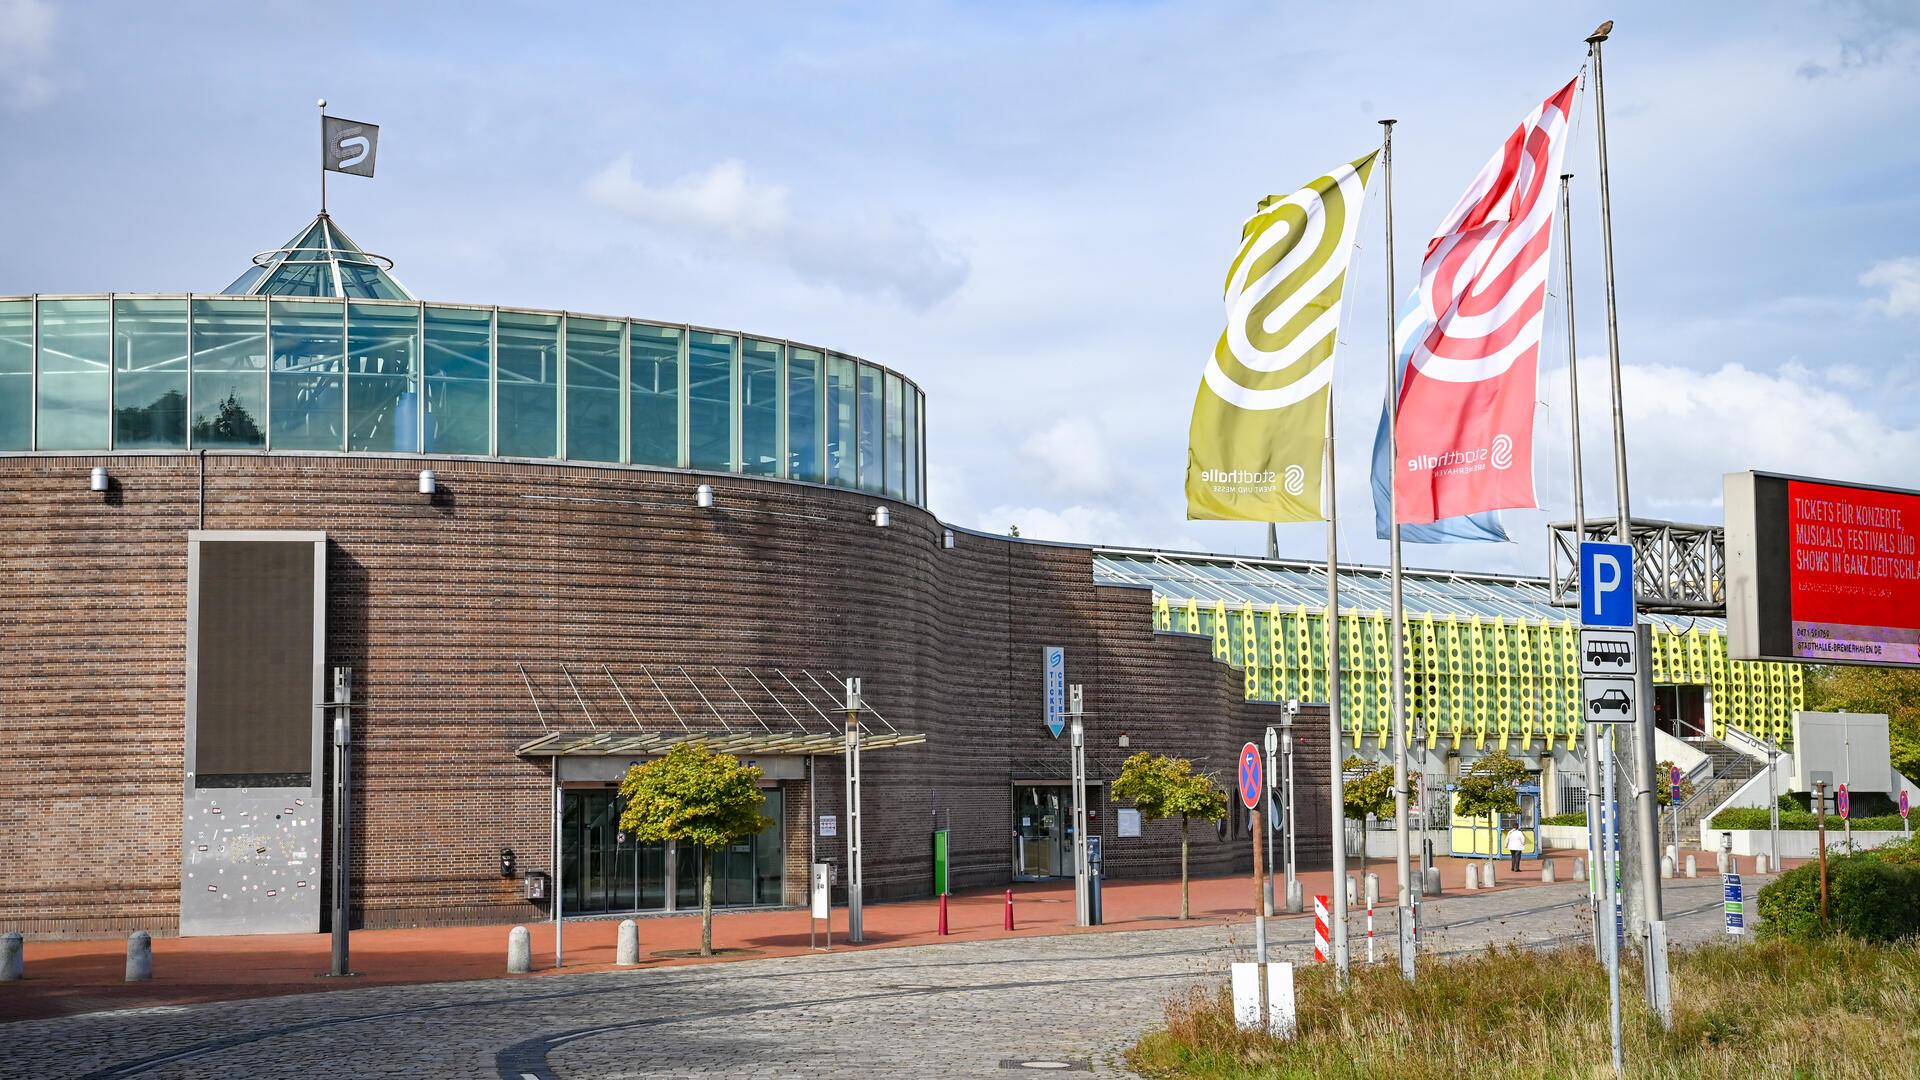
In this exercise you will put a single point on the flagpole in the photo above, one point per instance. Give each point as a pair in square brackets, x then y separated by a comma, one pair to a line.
[1396, 645]
[1337, 789]
[322, 105]
[1640, 763]
[1580, 536]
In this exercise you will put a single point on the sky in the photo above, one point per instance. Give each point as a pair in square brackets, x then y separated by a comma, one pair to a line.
[1029, 208]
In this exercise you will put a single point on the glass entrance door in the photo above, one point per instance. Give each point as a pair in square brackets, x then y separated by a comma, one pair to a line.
[1042, 831]
[602, 869]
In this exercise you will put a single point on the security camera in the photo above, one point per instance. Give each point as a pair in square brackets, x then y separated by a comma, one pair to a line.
[1293, 707]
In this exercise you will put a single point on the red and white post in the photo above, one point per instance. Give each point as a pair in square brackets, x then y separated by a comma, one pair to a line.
[1319, 929]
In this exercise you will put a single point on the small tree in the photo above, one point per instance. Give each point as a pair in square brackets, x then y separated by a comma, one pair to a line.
[1368, 789]
[1161, 786]
[1491, 787]
[694, 795]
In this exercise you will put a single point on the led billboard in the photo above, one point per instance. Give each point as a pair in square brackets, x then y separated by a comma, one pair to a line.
[1822, 571]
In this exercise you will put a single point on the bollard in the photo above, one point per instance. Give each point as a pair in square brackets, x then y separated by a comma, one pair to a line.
[1674, 854]
[1720, 861]
[627, 953]
[1692, 871]
[1759, 864]
[1009, 909]
[1733, 865]
[139, 956]
[1373, 890]
[1296, 900]
[943, 914]
[519, 951]
[1666, 866]
[1432, 883]
[13, 952]
[1579, 868]
[1473, 876]
[1353, 891]
[1547, 875]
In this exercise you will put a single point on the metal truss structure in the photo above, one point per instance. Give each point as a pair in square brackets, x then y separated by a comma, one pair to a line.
[1678, 569]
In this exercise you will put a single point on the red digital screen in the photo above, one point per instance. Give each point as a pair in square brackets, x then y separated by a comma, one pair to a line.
[1854, 568]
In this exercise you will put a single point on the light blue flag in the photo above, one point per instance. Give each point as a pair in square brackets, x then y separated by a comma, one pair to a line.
[1483, 528]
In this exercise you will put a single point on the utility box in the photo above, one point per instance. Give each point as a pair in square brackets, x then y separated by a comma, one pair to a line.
[537, 881]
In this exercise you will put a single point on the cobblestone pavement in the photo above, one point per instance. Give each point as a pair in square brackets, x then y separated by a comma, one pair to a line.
[957, 1010]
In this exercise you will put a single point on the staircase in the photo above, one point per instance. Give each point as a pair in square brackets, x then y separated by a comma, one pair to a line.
[1731, 769]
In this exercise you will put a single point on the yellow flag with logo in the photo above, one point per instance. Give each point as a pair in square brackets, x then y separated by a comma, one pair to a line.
[1255, 450]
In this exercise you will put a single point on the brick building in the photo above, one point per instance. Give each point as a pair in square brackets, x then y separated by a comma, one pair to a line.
[636, 533]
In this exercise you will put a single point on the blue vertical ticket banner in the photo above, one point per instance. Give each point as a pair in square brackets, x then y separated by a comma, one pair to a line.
[1056, 689]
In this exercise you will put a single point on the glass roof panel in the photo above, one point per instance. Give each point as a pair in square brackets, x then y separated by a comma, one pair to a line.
[321, 261]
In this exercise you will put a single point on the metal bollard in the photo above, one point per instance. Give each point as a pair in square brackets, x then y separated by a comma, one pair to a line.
[1547, 876]
[139, 956]
[519, 951]
[1473, 876]
[1296, 900]
[1692, 870]
[1009, 909]
[1579, 868]
[13, 950]
[943, 915]
[627, 953]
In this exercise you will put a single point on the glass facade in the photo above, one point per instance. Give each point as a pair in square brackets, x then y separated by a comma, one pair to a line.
[804, 390]
[369, 376]
[602, 869]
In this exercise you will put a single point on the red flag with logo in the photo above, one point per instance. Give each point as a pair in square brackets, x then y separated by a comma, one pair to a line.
[1465, 428]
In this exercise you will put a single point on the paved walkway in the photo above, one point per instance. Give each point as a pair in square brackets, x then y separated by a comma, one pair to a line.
[977, 1009]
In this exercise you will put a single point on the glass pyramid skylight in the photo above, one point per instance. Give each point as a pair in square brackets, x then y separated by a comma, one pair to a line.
[321, 261]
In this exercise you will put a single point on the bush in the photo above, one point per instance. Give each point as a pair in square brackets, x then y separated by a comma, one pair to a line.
[1578, 817]
[1871, 895]
[1756, 817]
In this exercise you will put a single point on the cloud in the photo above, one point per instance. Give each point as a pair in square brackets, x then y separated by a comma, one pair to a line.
[1901, 278]
[1071, 457]
[26, 38]
[878, 253]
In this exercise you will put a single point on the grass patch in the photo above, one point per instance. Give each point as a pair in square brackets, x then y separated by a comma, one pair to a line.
[1832, 1009]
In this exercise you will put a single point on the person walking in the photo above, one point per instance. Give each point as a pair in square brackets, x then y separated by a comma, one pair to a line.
[1516, 843]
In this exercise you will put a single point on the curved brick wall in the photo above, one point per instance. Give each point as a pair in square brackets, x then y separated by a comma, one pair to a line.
[435, 603]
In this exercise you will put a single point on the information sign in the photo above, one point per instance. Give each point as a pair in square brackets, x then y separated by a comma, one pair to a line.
[1608, 699]
[1734, 904]
[1252, 776]
[829, 825]
[1129, 822]
[1055, 666]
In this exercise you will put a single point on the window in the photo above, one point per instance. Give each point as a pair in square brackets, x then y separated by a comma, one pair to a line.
[912, 441]
[842, 470]
[654, 389]
[869, 416]
[16, 375]
[760, 408]
[529, 352]
[458, 366]
[383, 406]
[710, 401]
[803, 414]
[75, 369]
[150, 374]
[307, 410]
[896, 438]
[229, 373]
[593, 390]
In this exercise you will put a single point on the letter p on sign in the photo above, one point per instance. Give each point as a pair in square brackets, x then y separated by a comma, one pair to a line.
[1606, 584]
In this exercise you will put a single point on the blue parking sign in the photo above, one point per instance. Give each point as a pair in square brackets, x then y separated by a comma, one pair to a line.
[1606, 584]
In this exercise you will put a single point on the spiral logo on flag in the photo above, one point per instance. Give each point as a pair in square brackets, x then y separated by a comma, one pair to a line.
[1502, 451]
[1295, 479]
[1283, 296]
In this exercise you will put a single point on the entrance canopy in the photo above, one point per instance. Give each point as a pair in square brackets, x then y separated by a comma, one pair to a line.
[740, 711]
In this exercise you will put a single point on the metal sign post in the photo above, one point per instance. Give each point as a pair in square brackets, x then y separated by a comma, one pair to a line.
[1253, 791]
[853, 704]
[1082, 913]
[342, 707]
[1273, 817]
[1286, 785]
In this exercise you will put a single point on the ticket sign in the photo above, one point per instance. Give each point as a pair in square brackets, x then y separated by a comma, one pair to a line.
[1054, 665]
[1823, 571]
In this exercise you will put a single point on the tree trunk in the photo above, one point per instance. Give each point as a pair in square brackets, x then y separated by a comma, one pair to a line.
[1184, 913]
[706, 905]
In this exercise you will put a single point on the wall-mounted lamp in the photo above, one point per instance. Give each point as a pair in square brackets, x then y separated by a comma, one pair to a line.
[946, 540]
[506, 862]
[703, 496]
[99, 481]
[1124, 741]
[881, 516]
[429, 483]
